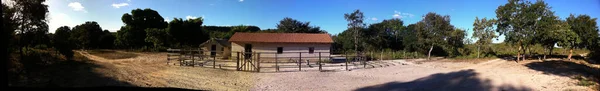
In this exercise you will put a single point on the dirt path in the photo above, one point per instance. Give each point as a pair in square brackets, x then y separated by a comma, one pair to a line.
[151, 70]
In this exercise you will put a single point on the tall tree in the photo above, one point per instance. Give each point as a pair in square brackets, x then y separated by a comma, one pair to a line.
[187, 32]
[585, 27]
[133, 34]
[455, 41]
[549, 31]
[355, 23]
[567, 38]
[87, 35]
[30, 21]
[62, 41]
[290, 25]
[433, 30]
[385, 34]
[483, 30]
[518, 21]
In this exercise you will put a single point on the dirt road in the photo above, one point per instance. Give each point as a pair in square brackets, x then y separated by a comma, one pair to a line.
[150, 70]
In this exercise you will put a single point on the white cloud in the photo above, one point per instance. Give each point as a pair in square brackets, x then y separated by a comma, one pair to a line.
[374, 19]
[76, 6]
[167, 19]
[402, 15]
[190, 17]
[119, 5]
[241, 0]
[58, 20]
[128, 0]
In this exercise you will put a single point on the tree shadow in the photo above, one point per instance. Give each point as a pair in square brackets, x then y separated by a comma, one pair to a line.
[53, 71]
[464, 80]
[565, 68]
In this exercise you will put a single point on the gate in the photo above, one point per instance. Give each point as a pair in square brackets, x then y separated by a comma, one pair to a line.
[248, 61]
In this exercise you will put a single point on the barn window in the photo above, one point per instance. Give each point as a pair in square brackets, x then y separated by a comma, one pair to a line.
[311, 50]
[279, 50]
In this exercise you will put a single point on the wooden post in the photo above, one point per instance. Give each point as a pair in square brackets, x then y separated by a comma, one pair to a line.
[320, 61]
[276, 62]
[168, 51]
[181, 58]
[214, 60]
[300, 61]
[257, 62]
[193, 61]
[237, 65]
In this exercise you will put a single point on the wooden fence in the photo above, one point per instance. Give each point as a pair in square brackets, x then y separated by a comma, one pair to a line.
[268, 61]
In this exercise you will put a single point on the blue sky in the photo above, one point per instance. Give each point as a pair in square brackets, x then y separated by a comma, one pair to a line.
[327, 14]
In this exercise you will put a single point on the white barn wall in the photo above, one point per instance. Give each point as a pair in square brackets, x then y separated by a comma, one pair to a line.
[270, 49]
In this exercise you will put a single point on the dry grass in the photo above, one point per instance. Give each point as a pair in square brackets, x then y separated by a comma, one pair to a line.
[111, 54]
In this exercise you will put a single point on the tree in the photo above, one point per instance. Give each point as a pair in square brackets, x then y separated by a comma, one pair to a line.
[158, 37]
[384, 34]
[518, 21]
[187, 32]
[355, 23]
[549, 31]
[455, 41]
[133, 34]
[87, 35]
[433, 30]
[483, 30]
[290, 25]
[29, 20]
[568, 38]
[585, 27]
[62, 41]
[107, 39]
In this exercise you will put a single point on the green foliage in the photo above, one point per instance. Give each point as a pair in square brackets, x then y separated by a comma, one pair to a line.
[62, 41]
[355, 24]
[133, 34]
[289, 25]
[87, 35]
[433, 30]
[483, 30]
[158, 37]
[585, 27]
[186, 32]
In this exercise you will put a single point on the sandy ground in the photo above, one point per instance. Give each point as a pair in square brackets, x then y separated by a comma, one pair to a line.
[151, 70]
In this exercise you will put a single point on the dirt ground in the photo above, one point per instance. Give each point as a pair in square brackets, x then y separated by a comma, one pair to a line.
[151, 70]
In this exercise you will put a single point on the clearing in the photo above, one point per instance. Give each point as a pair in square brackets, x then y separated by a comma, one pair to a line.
[149, 69]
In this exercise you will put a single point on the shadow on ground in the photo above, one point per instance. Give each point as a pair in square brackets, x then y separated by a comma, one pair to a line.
[46, 70]
[464, 80]
[565, 68]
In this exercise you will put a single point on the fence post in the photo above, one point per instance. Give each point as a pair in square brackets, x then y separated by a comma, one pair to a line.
[276, 62]
[237, 65]
[257, 62]
[320, 61]
[300, 61]
[181, 57]
[193, 61]
[168, 51]
[214, 60]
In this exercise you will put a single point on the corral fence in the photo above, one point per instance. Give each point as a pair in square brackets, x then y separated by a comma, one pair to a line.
[270, 61]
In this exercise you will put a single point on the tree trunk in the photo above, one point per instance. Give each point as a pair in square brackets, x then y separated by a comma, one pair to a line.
[429, 54]
[478, 51]
[519, 53]
[551, 48]
[570, 54]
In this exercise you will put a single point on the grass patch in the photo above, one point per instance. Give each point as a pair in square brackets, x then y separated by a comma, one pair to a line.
[584, 81]
[111, 54]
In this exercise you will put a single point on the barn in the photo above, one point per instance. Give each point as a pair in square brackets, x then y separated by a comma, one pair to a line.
[282, 45]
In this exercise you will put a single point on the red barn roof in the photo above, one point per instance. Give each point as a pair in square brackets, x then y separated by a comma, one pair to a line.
[281, 37]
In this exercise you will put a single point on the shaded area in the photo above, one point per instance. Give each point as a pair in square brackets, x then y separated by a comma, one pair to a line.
[111, 54]
[566, 68]
[464, 80]
[106, 88]
[46, 69]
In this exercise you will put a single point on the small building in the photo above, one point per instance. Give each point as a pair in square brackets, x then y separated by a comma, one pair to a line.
[216, 47]
[282, 45]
